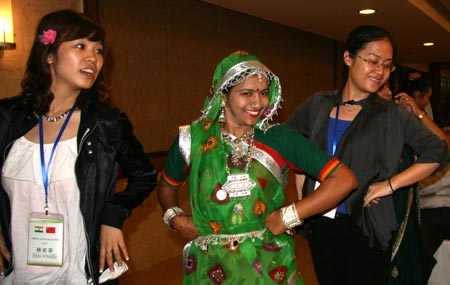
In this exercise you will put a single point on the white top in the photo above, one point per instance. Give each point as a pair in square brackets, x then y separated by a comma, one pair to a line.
[435, 190]
[22, 180]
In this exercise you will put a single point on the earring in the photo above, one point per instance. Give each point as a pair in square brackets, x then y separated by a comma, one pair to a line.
[222, 113]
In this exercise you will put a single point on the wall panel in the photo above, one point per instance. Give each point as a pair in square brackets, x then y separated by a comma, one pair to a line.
[163, 54]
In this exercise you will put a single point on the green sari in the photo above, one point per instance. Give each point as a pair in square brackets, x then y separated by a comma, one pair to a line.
[234, 246]
[406, 260]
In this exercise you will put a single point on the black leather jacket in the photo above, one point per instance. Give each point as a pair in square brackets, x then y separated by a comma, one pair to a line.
[105, 143]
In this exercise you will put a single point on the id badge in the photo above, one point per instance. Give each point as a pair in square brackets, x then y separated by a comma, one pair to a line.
[45, 239]
[330, 214]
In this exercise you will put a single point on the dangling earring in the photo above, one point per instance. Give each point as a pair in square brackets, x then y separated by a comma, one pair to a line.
[222, 113]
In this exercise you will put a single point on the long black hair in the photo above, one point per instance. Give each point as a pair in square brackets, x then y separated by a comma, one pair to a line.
[68, 25]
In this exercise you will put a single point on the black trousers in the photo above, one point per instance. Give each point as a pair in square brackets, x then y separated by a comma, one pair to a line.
[435, 227]
[341, 254]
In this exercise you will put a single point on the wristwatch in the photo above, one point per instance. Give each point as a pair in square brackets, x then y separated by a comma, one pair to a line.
[170, 213]
[421, 115]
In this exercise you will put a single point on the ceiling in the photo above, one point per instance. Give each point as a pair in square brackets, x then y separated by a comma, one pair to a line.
[409, 25]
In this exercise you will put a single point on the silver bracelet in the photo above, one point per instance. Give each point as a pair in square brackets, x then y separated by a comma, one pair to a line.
[290, 217]
[170, 213]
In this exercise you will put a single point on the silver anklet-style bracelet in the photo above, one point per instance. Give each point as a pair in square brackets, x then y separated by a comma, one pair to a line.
[170, 214]
[290, 217]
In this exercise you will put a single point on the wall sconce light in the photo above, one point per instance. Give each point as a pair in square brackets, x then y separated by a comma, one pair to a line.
[6, 26]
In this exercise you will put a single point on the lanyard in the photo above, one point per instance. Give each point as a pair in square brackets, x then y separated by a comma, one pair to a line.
[45, 167]
[335, 130]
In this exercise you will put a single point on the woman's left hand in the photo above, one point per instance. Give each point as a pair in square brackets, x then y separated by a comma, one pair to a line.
[112, 244]
[376, 191]
[274, 223]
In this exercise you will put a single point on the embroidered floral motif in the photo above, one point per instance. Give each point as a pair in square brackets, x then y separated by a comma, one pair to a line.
[216, 274]
[262, 182]
[210, 144]
[278, 274]
[206, 123]
[216, 227]
[219, 195]
[191, 264]
[257, 266]
[48, 37]
[259, 208]
[271, 246]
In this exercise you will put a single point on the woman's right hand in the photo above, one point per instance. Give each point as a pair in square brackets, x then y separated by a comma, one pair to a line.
[407, 103]
[4, 254]
[185, 226]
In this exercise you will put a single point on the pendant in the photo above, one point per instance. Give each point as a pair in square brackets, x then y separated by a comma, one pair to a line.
[238, 216]
[236, 162]
[238, 185]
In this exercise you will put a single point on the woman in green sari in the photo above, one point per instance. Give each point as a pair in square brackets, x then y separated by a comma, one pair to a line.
[236, 164]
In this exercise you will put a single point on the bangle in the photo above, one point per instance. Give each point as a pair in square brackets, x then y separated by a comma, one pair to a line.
[290, 217]
[170, 213]
[391, 189]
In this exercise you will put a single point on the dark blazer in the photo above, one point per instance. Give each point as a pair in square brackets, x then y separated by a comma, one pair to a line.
[371, 147]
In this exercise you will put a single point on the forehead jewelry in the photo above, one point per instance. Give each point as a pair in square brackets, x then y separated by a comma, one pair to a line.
[259, 77]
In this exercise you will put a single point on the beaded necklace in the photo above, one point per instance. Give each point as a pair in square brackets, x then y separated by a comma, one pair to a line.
[57, 118]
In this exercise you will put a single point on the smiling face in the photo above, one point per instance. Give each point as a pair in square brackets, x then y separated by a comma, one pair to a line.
[368, 68]
[75, 66]
[245, 104]
[385, 92]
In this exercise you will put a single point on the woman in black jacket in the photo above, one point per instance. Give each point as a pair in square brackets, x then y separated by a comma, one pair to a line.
[62, 146]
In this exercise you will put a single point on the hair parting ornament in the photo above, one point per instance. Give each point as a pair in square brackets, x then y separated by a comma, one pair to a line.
[48, 37]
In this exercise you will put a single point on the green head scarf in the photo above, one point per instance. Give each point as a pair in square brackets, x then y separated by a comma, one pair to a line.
[208, 153]
[231, 71]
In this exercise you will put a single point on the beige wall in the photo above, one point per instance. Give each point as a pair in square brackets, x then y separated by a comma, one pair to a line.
[26, 15]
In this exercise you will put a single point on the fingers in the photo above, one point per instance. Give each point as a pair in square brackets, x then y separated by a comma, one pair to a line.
[103, 255]
[407, 102]
[4, 253]
[112, 246]
[109, 259]
[376, 192]
[274, 223]
[111, 255]
[121, 251]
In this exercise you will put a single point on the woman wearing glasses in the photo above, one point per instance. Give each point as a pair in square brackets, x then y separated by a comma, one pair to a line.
[367, 133]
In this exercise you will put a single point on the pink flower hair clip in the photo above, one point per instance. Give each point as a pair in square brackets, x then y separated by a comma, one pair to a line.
[48, 37]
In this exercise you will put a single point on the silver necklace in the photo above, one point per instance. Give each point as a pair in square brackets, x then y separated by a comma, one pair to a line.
[240, 156]
[238, 185]
[57, 118]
